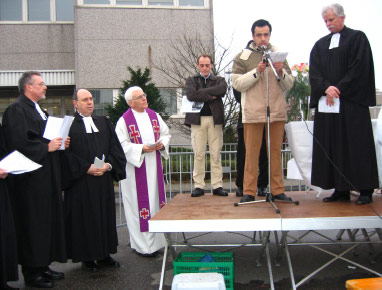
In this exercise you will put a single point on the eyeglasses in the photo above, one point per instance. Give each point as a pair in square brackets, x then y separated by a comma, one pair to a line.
[140, 97]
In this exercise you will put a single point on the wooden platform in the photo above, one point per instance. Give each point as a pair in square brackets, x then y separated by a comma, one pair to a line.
[214, 213]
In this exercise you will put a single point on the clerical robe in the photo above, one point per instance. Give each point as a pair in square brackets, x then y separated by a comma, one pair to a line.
[8, 251]
[142, 242]
[346, 138]
[89, 201]
[36, 196]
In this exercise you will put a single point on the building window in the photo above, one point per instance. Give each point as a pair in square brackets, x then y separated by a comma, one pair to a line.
[161, 2]
[64, 10]
[11, 10]
[101, 98]
[191, 3]
[128, 2]
[96, 2]
[169, 96]
[38, 10]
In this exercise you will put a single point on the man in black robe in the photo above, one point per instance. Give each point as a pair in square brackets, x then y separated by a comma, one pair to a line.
[8, 251]
[341, 66]
[35, 196]
[89, 201]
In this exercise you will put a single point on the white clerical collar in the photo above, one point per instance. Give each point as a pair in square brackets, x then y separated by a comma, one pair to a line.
[89, 124]
[335, 41]
[42, 114]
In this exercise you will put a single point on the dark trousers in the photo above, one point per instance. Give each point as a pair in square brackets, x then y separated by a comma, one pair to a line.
[240, 161]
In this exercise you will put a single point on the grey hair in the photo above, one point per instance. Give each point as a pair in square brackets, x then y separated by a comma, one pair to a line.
[337, 9]
[129, 93]
[26, 78]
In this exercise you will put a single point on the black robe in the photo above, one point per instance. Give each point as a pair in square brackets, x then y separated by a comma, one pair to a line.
[8, 250]
[36, 196]
[346, 137]
[89, 201]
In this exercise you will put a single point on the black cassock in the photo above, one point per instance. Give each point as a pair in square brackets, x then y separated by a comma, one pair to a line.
[36, 197]
[89, 201]
[8, 250]
[346, 137]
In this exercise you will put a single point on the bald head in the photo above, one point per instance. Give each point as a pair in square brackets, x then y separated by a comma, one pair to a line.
[84, 102]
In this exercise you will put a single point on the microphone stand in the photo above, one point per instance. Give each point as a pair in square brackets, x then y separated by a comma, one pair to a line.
[269, 197]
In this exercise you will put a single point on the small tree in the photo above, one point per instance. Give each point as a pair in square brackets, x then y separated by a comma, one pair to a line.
[140, 79]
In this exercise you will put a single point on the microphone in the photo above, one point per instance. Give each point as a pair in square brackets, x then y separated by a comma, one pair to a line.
[264, 48]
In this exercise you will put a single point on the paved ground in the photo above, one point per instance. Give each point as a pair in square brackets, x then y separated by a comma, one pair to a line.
[137, 272]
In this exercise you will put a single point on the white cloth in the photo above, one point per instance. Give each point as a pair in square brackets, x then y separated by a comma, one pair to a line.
[335, 41]
[42, 114]
[378, 144]
[142, 242]
[89, 124]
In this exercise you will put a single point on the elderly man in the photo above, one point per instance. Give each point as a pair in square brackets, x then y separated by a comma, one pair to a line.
[249, 76]
[89, 203]
[207, 125]
[144, 138]
[341, 70]
[36, 196]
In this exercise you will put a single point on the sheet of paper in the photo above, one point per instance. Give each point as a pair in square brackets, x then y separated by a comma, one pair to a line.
[58, 127]
[98, 163]
[190, 107]
[278, 56]
[324, 108]
[17, 163]
[155, 144]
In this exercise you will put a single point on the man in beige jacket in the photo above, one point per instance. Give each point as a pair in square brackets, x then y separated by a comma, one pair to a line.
[249, 77]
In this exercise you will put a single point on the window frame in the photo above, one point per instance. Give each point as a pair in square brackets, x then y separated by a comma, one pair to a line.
[24, 15]
[145, 4]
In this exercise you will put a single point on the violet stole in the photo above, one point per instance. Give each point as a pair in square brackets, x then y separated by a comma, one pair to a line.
[140, 173]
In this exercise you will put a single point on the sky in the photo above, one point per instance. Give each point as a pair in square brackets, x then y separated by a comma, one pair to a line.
[296, 25]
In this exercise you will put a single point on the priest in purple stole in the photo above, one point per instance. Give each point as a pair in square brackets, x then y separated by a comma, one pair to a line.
[144, 137]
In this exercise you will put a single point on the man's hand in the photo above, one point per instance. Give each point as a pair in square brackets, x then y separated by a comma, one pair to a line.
[279, 67]
[54, 144]
[159, 146]
[148, 149]
[67, 142]
[98, 171]
[261, 67]
[331, 92]
[3, 174]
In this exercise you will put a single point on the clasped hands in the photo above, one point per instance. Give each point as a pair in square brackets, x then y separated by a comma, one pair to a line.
[98, 171]
[148, 149]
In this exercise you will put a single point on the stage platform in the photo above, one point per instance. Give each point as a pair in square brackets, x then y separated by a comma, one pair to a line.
[215, 213]
[211, 213]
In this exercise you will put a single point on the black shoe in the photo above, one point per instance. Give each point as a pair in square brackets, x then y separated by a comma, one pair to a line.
[152, 255]
[364, 199]
[108, 262]
[90, 266]
[239, 191]
[282, 196]
[52, 275]
[40, 282]
[197, 192]
[338, 196]
[219, 191]
[247, 198]
[262, 191]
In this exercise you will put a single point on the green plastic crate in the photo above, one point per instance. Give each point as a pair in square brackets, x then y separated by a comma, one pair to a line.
[188, 262]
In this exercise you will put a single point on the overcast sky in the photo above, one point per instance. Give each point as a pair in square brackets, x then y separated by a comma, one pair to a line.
[296, 25]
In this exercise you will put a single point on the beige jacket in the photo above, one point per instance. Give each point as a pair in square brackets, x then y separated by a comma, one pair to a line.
[253, 87]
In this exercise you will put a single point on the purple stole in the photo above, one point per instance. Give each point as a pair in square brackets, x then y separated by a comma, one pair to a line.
[140, 173]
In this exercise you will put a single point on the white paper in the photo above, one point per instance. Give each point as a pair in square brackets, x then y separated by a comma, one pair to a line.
[17, 163]
[58, 127]
[278, 56]
[190, 107]
[98, 163]
[324, 108]
[155, 144]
